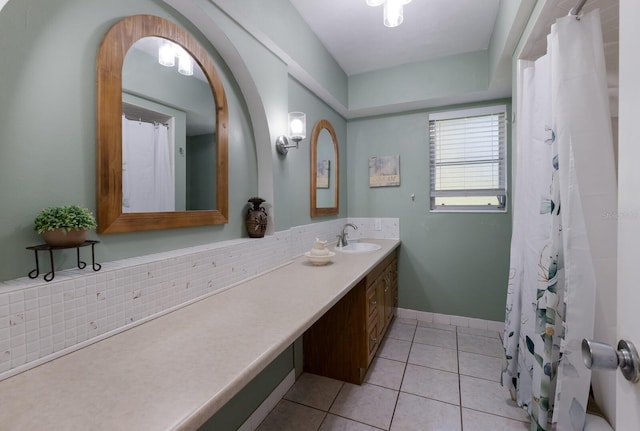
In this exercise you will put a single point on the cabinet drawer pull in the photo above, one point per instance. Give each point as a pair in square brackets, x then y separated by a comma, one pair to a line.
[374, 341]
[374, 303]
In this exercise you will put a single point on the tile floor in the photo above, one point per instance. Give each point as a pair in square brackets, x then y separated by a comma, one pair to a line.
[425, 376]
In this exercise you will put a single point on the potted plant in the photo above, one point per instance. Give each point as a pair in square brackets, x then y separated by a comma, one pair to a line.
[65, 226]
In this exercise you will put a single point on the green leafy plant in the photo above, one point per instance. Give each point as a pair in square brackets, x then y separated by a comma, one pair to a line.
[66, 218]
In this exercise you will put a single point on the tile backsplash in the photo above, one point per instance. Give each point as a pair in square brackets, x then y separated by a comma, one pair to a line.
[40, 320]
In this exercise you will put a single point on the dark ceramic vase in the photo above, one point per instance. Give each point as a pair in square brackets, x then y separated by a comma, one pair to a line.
[256, 220]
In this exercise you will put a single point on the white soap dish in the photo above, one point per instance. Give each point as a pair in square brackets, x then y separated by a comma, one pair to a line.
[320, 260]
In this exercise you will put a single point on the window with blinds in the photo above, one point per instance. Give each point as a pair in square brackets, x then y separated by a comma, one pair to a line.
[467, 151]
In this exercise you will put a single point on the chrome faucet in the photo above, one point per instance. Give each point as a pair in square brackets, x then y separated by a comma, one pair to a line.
[342, 238]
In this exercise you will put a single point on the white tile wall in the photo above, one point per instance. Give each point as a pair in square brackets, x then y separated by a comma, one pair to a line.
[390, 228]
[40, 321]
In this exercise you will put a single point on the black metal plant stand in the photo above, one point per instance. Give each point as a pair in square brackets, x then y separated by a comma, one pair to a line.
[81, 265]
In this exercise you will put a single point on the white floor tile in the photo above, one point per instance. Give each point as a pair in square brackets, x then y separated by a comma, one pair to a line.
[477, 421]
[420, 414]
[288, 416]
[484, 367]
[435, 384]
[406, 321]
[479, 332]
[495, 326]
[477, 323]
[314, 391]
[435, 337]
[434, 325]
[385, 372]
[481, 345]
[401, 331]
[405, 313]
[336, 423]
[489, 397]
[369, 404]
[424, 374]
[396, 350]
[440, 358]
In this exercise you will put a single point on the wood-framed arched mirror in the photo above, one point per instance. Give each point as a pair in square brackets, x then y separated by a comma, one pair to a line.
[115, 162]
[325, 173]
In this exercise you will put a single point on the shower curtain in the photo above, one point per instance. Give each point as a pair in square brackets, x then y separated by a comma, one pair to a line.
[563, 243]
[147, 167]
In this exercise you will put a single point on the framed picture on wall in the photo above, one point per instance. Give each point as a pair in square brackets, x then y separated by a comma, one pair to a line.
[322, 177]
[384, 171]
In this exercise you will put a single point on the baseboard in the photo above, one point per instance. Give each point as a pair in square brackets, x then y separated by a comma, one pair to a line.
[269, 404]
[446, 319]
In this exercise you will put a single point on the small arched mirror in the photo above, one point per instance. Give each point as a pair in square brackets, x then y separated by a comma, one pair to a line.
[162, 130]
[325, 174]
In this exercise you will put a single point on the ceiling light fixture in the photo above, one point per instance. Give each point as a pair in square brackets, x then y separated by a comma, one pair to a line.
[393, 11]
[167, 54]
[185, 65]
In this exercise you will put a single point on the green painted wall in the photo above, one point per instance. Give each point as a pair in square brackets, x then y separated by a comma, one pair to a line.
[511, 19]
[47, 128]
[283, 25]
[292, 173]
[444, 77]
[201, 179]
[449, 263]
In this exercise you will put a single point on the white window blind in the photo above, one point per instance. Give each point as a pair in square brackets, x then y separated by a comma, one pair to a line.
[467, 151]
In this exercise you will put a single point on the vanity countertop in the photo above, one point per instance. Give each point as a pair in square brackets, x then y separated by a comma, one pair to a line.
[176, 371]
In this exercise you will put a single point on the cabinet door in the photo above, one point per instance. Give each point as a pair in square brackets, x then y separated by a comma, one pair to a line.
[388, 295]
[380, 295]
[372, 303]
[393, 289]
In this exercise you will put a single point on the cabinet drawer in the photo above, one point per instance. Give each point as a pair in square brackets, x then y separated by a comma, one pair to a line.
[379, 269]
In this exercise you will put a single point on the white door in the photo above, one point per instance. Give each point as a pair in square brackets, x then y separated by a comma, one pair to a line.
[628, 394]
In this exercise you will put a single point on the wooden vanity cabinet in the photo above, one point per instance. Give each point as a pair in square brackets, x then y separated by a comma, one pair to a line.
[343, 342]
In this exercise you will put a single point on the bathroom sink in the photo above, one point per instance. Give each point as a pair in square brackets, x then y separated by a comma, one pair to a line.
[359, 247]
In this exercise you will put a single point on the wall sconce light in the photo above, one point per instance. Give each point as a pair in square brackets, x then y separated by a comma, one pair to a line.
[297, 132]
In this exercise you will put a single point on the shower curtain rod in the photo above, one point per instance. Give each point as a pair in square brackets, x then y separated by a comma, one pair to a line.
[576, 10]
[140, 120]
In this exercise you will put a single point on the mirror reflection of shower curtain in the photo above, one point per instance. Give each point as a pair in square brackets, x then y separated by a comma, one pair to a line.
[147, 167]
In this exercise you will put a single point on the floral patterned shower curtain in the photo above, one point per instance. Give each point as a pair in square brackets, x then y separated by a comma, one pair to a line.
[564, 188]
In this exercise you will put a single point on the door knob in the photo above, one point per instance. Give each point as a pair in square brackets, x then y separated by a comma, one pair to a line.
[599, 355]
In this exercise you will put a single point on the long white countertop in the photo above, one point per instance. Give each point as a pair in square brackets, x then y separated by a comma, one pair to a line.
[176, 371]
